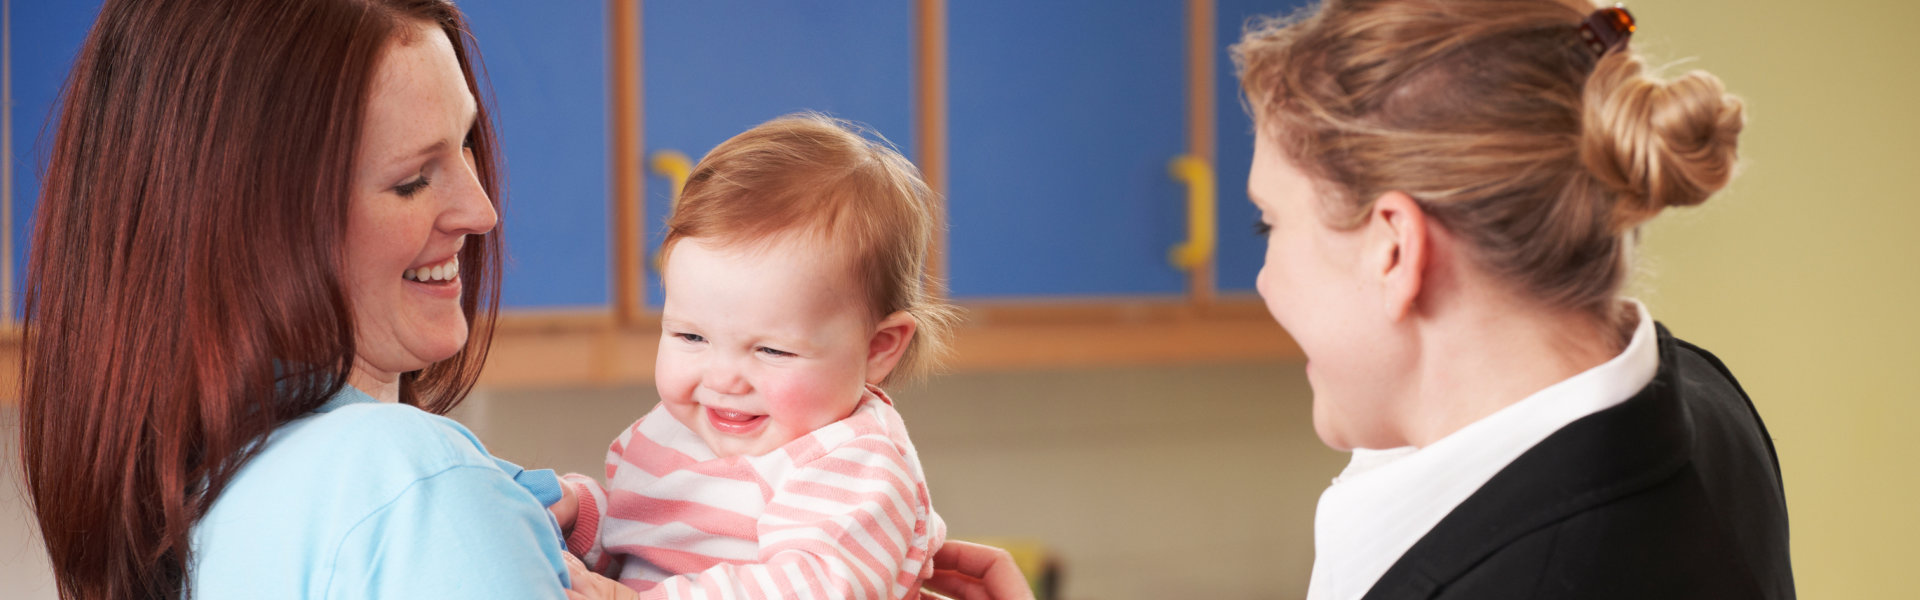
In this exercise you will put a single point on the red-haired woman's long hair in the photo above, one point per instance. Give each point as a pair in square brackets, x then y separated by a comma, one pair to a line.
[184, 293]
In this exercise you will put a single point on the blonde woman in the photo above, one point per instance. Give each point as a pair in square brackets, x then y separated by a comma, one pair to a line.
[1452, 191]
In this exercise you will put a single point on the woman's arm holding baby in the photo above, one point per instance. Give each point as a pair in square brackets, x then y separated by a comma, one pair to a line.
[577, 503]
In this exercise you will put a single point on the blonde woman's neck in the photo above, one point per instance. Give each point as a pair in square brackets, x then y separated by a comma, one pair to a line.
[1484, 355]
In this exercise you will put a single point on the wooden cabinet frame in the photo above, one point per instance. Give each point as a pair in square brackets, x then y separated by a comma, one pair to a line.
[615, 345]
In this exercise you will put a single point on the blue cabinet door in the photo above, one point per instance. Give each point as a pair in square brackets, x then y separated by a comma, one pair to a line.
[1063, 119]
[1063, 116]
[1237, 260]
[713, 69]
[546, 68]
[43, 39]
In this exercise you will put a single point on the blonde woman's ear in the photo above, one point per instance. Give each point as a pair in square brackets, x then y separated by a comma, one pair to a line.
[1398, 249]
[888, 344]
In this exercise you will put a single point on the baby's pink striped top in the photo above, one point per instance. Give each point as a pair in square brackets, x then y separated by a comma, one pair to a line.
[842, 512]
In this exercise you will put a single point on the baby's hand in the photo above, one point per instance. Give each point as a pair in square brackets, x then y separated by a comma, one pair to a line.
[567, 509]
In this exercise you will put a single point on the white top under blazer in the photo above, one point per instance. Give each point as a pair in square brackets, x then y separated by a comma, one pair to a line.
[1386, 500]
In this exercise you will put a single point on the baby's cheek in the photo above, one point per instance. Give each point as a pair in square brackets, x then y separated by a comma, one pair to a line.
[811, 404]
[673, 376]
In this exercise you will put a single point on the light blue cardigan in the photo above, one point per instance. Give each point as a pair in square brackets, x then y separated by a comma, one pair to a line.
[364, 499]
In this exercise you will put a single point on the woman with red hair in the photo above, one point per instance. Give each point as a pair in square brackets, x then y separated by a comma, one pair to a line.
[264, 263]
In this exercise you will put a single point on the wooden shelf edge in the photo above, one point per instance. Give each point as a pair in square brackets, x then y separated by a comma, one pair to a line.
[9, 365]
[587, 348]
[995, 336]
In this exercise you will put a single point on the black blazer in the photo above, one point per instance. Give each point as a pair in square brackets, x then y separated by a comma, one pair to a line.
[1674, 493]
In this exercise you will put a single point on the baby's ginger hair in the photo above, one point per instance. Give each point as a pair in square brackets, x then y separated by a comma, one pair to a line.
[812, 175]
[1505, 129]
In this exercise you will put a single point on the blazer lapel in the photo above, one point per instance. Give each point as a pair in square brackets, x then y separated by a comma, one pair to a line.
[1600, 457]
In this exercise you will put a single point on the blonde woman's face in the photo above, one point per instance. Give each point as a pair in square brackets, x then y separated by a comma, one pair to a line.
[415, 199]
[1313, 284]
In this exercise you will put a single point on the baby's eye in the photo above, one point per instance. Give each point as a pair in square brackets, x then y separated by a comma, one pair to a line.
[1261, 228]
[690, 337]
[773, 352]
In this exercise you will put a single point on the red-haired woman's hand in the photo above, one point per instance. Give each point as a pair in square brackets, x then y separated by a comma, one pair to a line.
[968, 571]
[588, 585]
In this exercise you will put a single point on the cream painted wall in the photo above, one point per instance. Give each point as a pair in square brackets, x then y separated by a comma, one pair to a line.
[25, 571]
[1802, 276]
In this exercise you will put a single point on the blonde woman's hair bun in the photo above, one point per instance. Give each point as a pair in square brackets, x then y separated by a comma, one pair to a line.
[1657, 143]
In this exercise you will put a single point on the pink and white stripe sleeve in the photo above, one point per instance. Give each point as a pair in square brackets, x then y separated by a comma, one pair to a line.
[584, 539]
[855, 522]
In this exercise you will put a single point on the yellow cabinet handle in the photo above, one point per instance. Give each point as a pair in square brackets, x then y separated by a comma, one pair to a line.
[673, 165]
[1198, 249]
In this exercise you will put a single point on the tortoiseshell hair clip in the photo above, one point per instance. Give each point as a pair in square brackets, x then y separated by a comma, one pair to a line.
[1606, 29]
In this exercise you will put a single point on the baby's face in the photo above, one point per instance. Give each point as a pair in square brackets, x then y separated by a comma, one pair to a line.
[759, 347]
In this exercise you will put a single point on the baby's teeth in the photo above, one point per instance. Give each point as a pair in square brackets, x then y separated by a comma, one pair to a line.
[407, 275]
